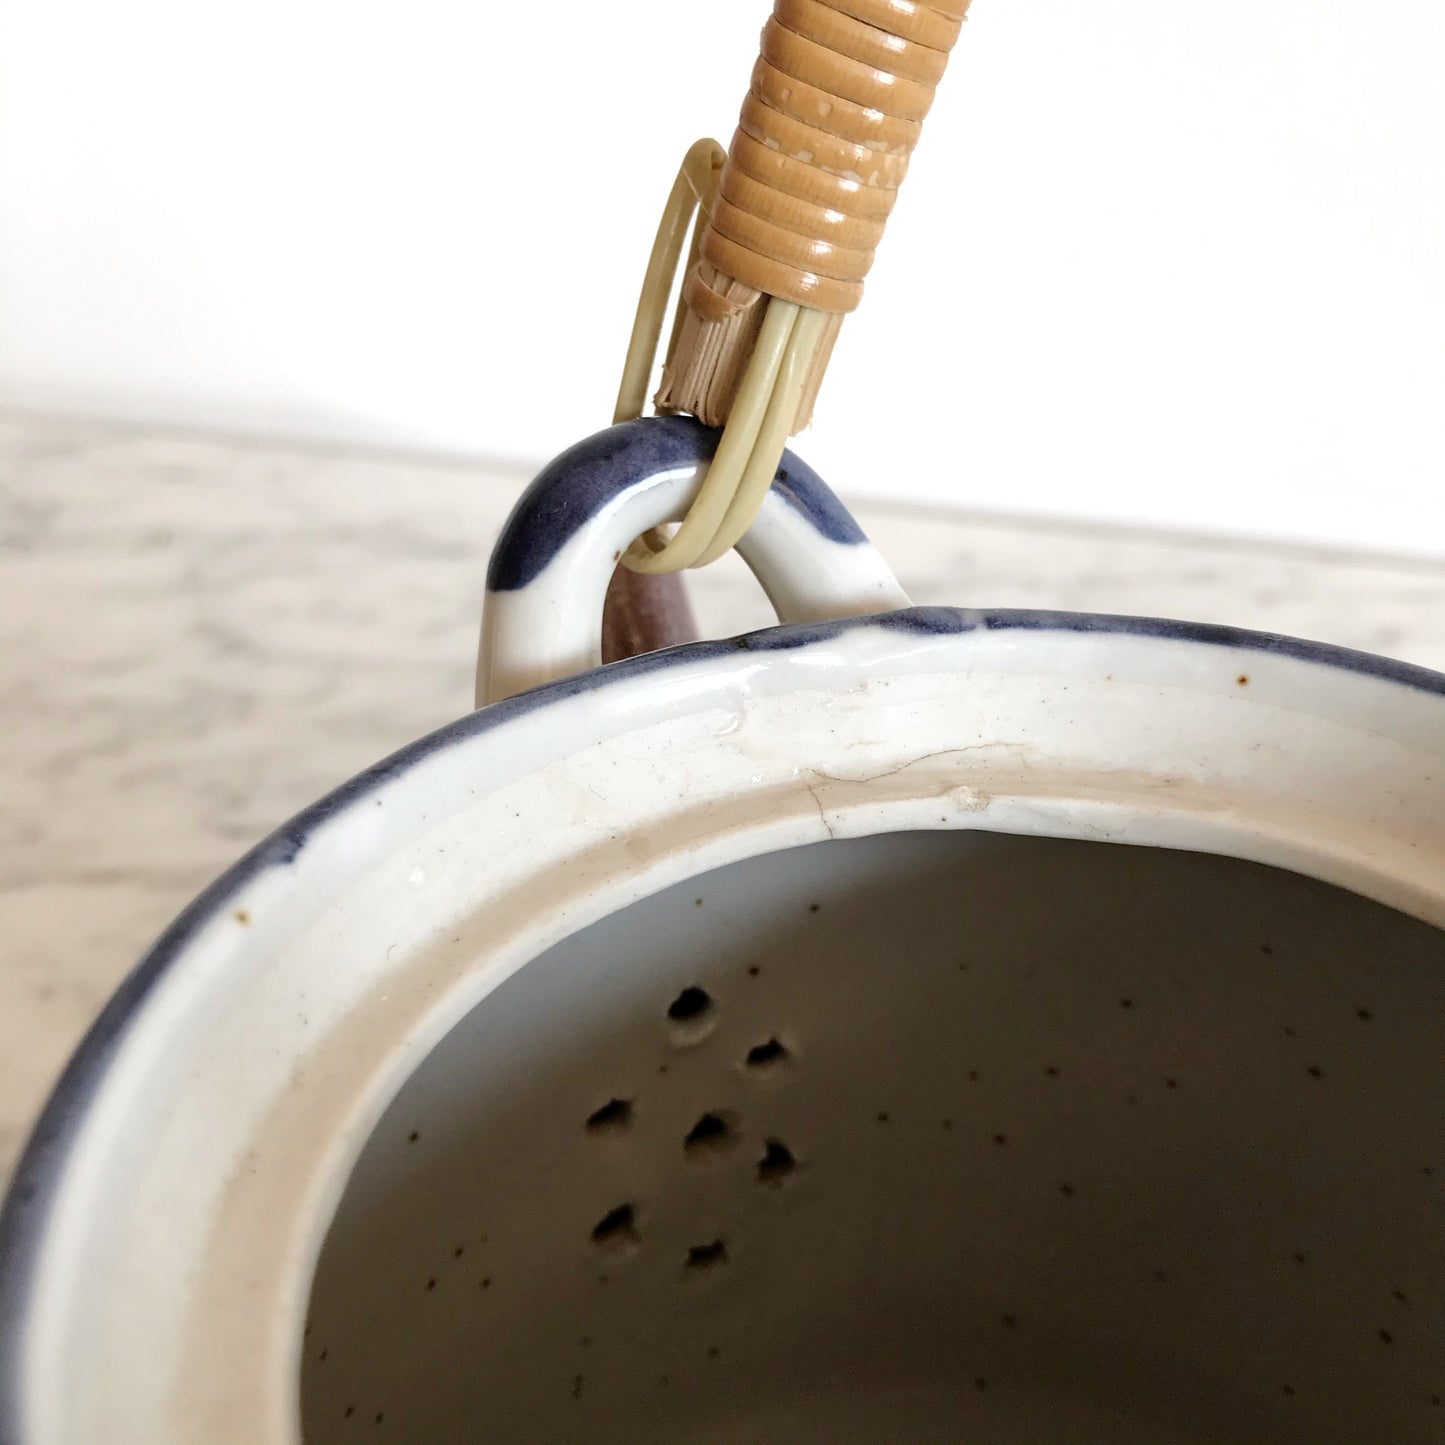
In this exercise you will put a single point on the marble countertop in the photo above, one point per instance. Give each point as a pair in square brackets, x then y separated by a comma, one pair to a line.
[199, 636]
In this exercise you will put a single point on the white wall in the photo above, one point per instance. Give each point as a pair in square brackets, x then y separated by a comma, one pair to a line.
[1170, 262]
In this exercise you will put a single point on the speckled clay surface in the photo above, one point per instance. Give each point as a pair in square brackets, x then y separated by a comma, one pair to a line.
[932, 1137]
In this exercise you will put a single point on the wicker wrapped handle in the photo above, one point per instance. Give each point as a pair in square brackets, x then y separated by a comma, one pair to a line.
[791, 218]
[836, 106]
[837, 102]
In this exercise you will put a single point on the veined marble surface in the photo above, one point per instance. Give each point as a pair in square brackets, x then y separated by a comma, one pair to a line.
[200, 636]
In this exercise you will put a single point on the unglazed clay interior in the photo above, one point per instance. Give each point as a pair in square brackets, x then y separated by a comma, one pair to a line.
[923, 1137]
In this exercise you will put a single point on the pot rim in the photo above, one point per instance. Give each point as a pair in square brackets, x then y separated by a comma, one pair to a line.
[33, 1189]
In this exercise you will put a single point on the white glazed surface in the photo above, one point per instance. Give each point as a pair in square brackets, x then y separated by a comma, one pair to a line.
[399, 913]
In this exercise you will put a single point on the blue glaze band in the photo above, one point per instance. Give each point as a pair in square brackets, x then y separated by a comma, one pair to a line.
[571, 490]
[33, 1187]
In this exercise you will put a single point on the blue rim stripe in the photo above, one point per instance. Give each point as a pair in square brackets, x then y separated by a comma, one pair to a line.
[38, 1170]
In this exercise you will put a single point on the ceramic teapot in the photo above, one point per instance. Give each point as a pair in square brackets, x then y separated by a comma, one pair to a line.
[899, 1024]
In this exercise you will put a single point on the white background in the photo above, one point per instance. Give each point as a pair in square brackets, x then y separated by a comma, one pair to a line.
[1165, 262]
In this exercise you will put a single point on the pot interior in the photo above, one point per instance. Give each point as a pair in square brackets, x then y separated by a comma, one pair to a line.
[934, 1137]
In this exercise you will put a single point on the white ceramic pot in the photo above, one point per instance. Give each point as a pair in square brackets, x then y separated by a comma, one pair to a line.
[771, 1039]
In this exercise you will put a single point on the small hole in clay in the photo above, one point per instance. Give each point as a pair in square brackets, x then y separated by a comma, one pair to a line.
[980, 1383]
[578, 1383]
[690, 1005]
[459, 1251]
[1067, 1190]
[380, 1416]
[767, 1055]
[1000, 1140]
[485, 1283]
[1315, 1072]
[1289, 1389]
[883, 1116]
[1126, 1003]
[712, 1134]
[322, 1356]
[777, 1163]
[1401, 1296]
[613, 1117]
[753, 970]
[712, 1352]
[814, 907]
[348, 1412]
[413, 1136]
[1052, 1072]
[617, 1226]
[704, 1257]
[1300, 1256]
[1386, 1338]
[973, 1076]
[1171, 1083]
[1010, 1322]
[431, 1283]
[1364, 1015]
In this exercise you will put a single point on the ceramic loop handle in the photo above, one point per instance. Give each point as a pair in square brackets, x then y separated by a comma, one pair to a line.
[557, 553]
